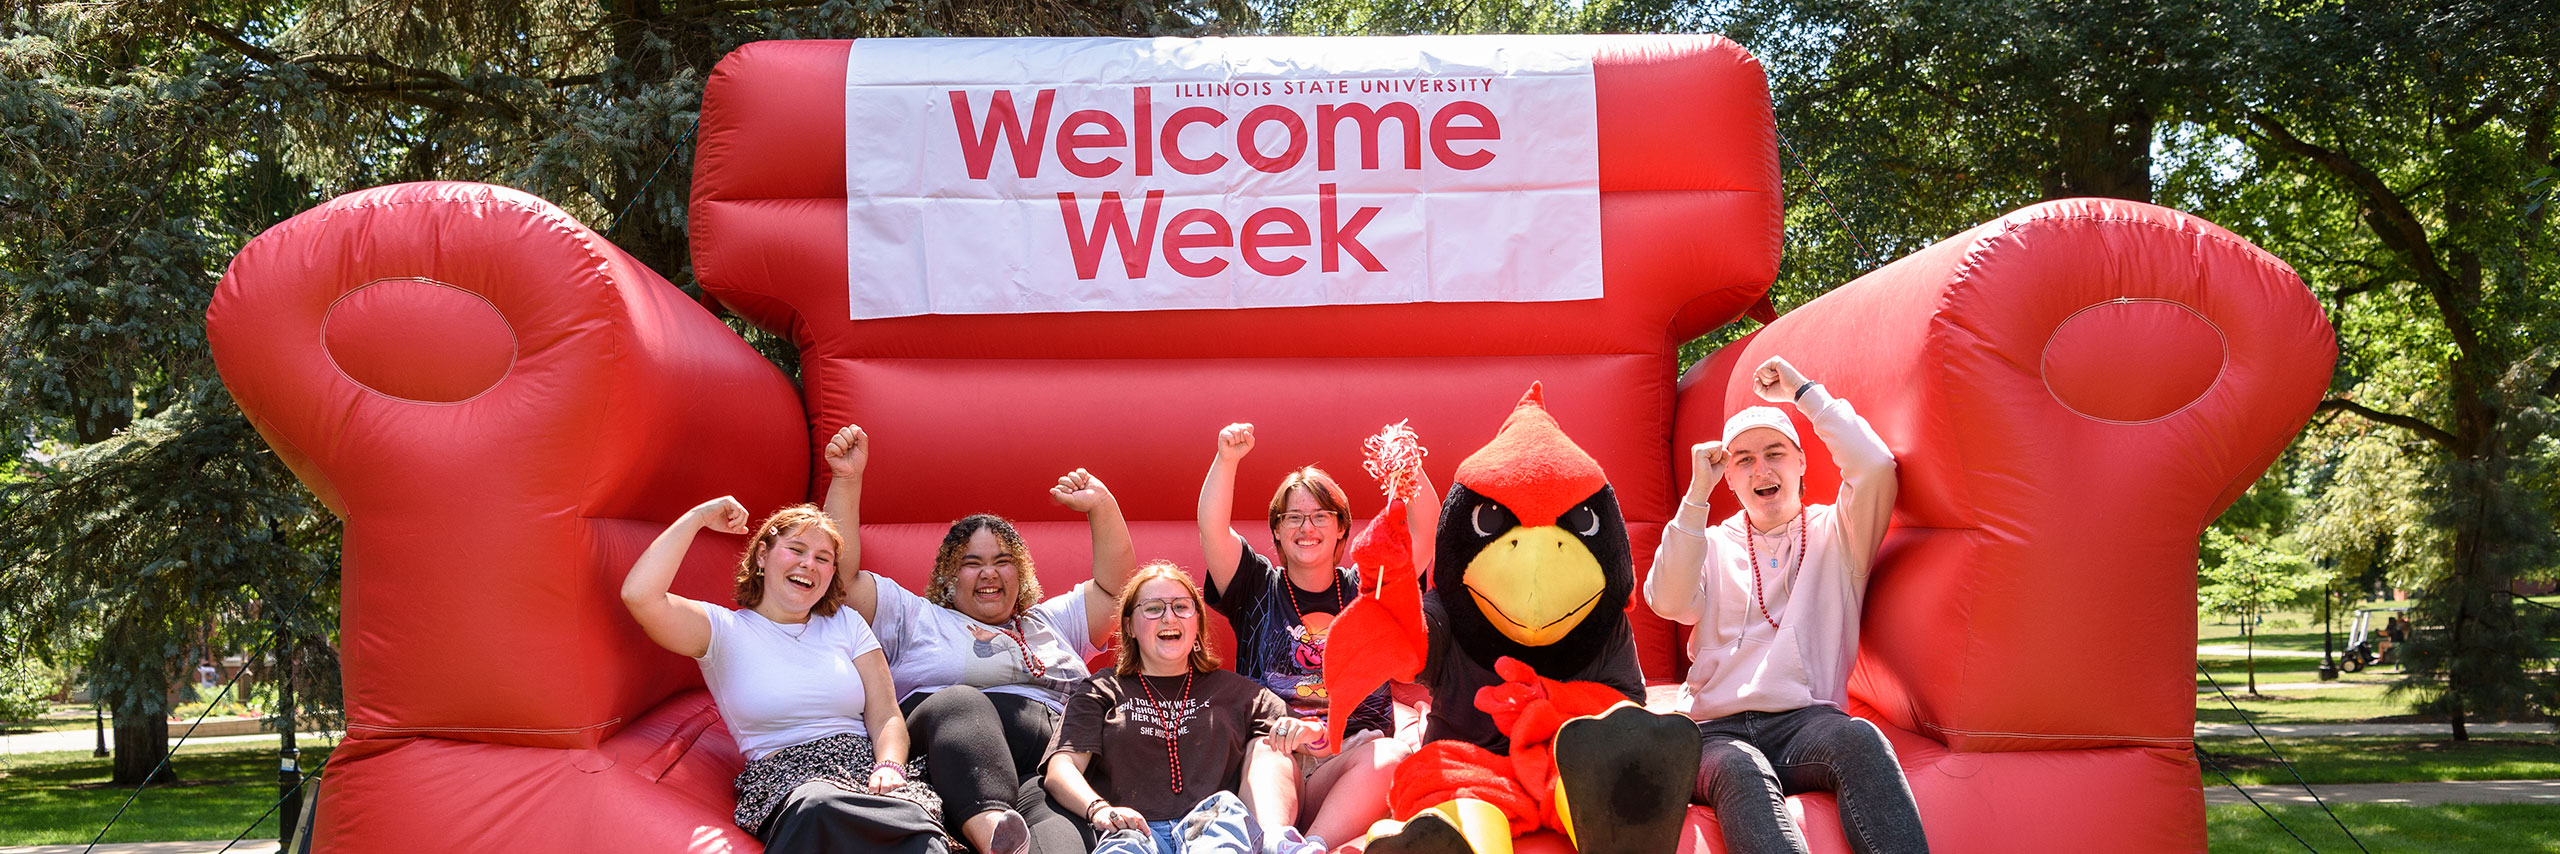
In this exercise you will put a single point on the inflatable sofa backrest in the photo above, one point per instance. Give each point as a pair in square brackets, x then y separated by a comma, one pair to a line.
[979, 412]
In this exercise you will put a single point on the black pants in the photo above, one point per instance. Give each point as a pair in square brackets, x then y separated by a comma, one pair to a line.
[820, 816]
[982, 751]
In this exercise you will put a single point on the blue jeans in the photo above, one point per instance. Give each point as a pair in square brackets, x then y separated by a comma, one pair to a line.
[1749, 762]
[1219, 825]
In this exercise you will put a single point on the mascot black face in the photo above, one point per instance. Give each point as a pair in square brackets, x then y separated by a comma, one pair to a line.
[1548, 595]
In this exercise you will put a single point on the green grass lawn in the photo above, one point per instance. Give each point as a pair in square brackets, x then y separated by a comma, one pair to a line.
[2356, 697]
[2385, 828]
[44, 725]
[57, 717]
[60, 798]
[2384, 759]
[2272, 637]
[2353, 697]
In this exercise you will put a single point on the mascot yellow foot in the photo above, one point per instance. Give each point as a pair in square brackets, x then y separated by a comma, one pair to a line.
[1463, 826]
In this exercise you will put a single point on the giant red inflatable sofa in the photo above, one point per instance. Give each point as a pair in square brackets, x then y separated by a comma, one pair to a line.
[505, 408]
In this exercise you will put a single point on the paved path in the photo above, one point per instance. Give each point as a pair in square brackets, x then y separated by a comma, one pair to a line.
[2239, 688]
[82, 739]
[2411, 794]
[2332, 730]
[2241, 651]
[246, 846]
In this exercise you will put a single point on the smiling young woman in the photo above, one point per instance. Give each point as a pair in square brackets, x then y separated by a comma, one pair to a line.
[800, 681]
[984, 663]
[1158, 747]
[1283, 612]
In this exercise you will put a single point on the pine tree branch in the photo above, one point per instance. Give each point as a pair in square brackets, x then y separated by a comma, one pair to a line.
[410, 85]
[2426, 431]
[721, 6]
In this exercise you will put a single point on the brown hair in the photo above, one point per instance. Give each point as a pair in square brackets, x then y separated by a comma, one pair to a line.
[946, 562]
[1327, 494]
[785, 522]
[1125, 660]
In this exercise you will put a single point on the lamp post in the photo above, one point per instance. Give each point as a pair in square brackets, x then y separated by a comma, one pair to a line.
[2328, 624]
[100, 707]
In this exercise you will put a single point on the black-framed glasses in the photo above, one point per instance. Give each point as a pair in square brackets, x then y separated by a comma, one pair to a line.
[1154, 609]
[1318, 518]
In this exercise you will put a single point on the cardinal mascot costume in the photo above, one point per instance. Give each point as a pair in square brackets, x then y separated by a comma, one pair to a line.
[1522, 638]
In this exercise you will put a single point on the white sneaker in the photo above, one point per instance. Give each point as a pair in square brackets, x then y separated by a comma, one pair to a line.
[1290, 841]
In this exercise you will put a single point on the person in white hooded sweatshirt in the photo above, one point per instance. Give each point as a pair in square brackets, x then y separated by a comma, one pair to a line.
[1774, 592]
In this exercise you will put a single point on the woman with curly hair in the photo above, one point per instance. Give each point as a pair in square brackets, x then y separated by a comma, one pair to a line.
[983, 663]
[801, 682]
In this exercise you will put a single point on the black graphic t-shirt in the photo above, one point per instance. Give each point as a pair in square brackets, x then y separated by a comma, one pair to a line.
[1281, 651]
[1114, 718]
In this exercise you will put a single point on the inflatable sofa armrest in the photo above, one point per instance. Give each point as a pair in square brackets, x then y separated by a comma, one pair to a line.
[2072, 393]
[505, 409]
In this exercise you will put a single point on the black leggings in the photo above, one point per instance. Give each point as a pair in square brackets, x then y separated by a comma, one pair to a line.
[822, 816]
[982, 751]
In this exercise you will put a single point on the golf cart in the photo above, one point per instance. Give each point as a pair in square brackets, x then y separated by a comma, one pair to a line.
[2368, 644]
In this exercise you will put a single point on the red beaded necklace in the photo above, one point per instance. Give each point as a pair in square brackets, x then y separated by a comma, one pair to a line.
[1172, 720]
[1030, 664]
[1751, 541]
[1289, 591]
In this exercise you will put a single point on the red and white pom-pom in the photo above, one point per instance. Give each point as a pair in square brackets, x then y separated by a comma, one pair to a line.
[1392, 457]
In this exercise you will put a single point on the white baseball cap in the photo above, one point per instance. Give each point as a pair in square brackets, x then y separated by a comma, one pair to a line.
[1761, 416]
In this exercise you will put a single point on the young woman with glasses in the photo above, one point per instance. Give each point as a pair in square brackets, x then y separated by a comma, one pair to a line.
[1282, 612]
[1155, 750]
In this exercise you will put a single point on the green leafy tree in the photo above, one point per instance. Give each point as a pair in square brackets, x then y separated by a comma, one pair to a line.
[2402, 158]
[143, 141]
[122, 191]
[2399, 155]
[2249, 580]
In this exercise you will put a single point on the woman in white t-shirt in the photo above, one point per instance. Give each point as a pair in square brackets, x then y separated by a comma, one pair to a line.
[983, 664]
[800, 681]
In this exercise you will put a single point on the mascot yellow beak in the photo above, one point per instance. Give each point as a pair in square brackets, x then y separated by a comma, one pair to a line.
[1535, 584]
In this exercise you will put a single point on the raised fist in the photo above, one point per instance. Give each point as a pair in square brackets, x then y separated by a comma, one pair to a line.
[1706, 469]
[1234, 442]
[1080, 491]
[723, 514]
[1776, 381]
[848, 452]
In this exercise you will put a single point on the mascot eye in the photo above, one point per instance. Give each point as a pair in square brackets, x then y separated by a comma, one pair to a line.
[1582, 520]
[1490, 519]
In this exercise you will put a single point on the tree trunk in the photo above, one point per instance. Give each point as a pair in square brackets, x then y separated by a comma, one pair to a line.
[142, 741]
[2479, 652]
[2105, 154]
[2249, 635]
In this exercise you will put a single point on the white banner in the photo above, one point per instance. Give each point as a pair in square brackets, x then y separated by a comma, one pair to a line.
[1036, 175]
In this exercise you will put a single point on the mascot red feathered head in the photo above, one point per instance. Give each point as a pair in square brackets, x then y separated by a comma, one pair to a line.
[1532, 558]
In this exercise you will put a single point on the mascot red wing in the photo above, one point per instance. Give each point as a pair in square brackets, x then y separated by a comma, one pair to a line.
[1523, 642]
